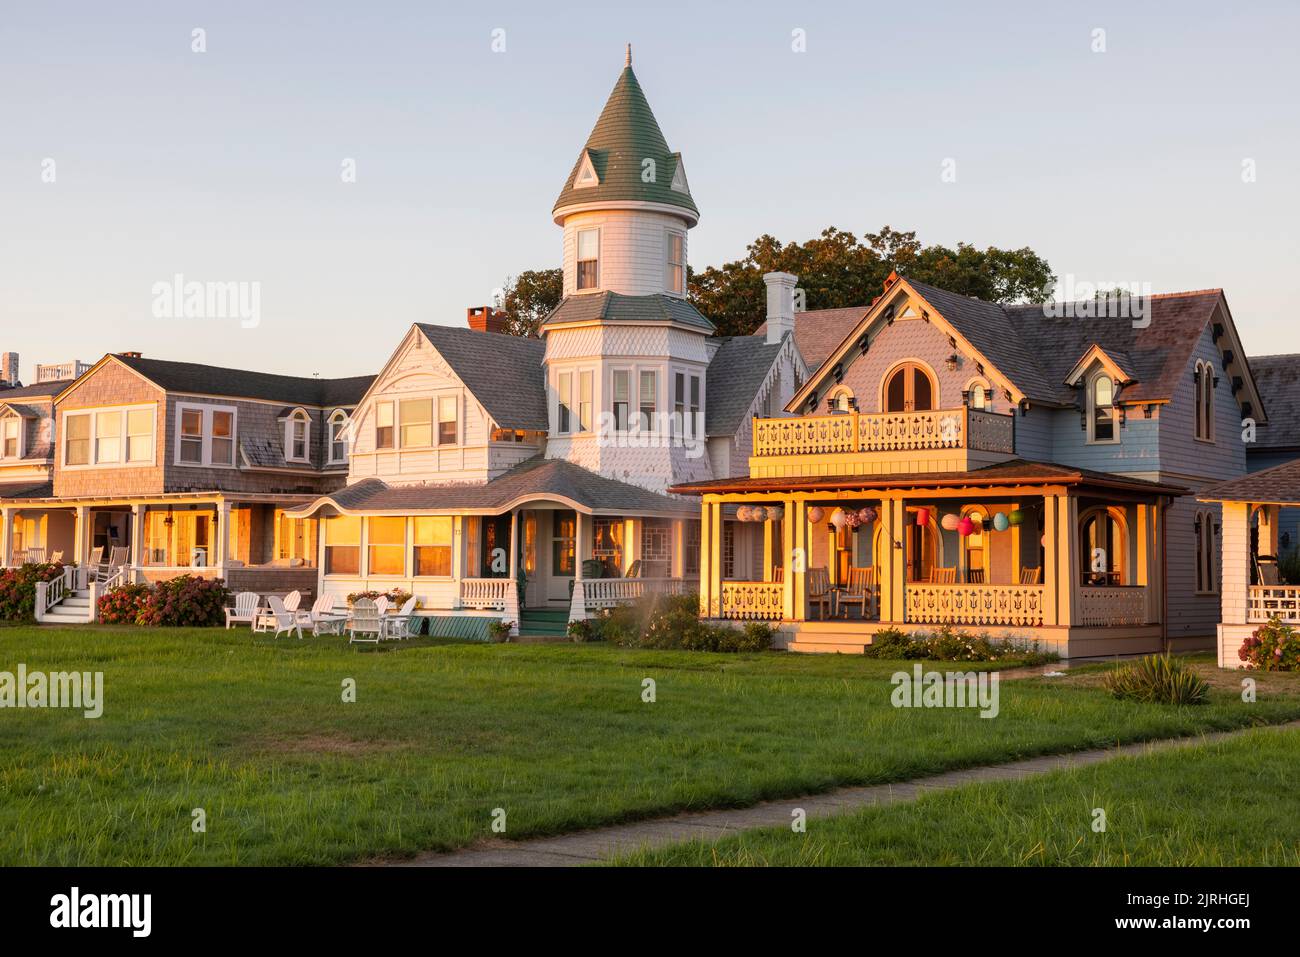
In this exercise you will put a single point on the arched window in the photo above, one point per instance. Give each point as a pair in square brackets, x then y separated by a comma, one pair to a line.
[1204, 393]
[1103, 543]
[840, 399]
[297, 437]
[978, 396]
[909, 388]
[1207, 557]
[340, 437]
[1101, 409]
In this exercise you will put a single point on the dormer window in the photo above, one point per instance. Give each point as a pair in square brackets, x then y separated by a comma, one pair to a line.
[586, 177]
[339, 442]
[1101, 410]
[11, 437]
[588, 259]
[297, 434]
[676, 263]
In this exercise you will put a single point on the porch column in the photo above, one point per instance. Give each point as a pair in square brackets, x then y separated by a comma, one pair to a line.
[81, 535]
[511, 611]
[1147, 558]
[893, 565]
[223, 536]
[1235, 543]
[799, 559]
[711, 560]
[137, 537]
[769, 534]
[7, 515]
[788, 515]
[1067, 562]
[1051, 553]
[678, 567]
[578, 605]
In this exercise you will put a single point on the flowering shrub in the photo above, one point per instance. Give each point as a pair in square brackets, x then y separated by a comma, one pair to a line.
[122, 605]
[18, 589]
[187, 600]
[499, 631]
[1273, 647]
[673, 622]
[948, 644]
[395, 596]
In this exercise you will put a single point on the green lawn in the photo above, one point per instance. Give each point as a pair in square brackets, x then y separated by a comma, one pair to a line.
[1228, 803]
[254, 731]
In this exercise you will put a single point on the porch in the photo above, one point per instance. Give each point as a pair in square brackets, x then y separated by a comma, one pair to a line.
[1070, 559]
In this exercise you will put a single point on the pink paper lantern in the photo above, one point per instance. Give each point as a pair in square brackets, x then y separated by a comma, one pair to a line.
[838, 518]
[867, 515]
[774, 513]
[742, 513]
[922, 516]
[965, 526]
[816, 513]
[950, 522]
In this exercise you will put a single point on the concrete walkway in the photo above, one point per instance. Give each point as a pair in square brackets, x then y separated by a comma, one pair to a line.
[586, 847]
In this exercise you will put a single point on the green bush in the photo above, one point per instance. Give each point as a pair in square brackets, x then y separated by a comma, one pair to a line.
[1157, 679]
[499, 631]
[672, 622]
[18, 589]
[1273, 647]
[586, 629]
[949, 644]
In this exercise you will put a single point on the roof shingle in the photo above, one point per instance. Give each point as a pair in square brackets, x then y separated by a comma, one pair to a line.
[504, 372]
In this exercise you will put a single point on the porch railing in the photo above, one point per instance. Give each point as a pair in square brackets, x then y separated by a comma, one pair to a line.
[1273, 601]
[885, 432]
[50, 593]
[749, 601]
[974, 604]
[1108, 605]
[485, 593]
[611, 592]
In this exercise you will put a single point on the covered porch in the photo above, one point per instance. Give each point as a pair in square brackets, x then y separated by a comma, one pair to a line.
[1069, 558]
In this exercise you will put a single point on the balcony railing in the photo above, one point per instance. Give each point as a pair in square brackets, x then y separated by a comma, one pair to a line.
[753, 601]
[959, 428]
[485, 593]
[610, 592]
[1273, 601]
[975, 604]
[1109, 605]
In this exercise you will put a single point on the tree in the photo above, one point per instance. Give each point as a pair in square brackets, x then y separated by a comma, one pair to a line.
[837, 270]
[529, 298]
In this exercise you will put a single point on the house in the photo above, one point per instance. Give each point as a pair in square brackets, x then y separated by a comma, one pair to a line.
[1067, 440]
[480, 459]
[183, 467]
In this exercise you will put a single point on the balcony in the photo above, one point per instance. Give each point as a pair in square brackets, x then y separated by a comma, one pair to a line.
[854, 443]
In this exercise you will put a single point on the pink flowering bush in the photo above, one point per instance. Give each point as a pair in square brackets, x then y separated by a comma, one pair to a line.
[18, 589]
[1273, 647]
[185, 601]
[122, 605]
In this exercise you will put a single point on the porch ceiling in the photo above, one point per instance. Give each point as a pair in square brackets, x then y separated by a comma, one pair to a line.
[1015, 473]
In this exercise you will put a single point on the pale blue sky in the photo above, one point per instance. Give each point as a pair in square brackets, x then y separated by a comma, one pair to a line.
[1123, 166]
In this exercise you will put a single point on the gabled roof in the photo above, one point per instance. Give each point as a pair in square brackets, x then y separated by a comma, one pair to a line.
[1116, 363]
[503, 372]
[1278, 380]
[41, 390]
[1279, 485]
[637, 310]
[817, 332]
[624, 137]
[199, 379]
[25, 411]
[738, 370]
[538, 478]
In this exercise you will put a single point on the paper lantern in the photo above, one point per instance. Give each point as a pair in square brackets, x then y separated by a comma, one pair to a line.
[867, 515]
[1016, 517]
[742, 513]
[775, 512]
[977, 521]
[950, 522]
[838, 518]
[1000, 522]
[815, 514]
[922, 516]
[852, 519]
[965, 526]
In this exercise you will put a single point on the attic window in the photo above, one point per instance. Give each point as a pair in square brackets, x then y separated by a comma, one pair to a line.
[1101, 410]
[586, 177]
[679, 177]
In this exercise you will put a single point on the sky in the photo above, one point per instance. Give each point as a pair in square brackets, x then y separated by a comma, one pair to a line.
[1159, 151]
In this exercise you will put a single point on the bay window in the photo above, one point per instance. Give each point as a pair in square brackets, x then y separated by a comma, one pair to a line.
[622, 390]
[584, 401]
[649, 396]
[564, 400]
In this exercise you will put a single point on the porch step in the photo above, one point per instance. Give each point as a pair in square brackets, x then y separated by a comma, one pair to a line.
[829, 647]
[544, 622]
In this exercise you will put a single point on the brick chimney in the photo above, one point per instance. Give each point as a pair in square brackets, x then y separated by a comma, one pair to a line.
[780, 305]
[131, 355]
[485, 319]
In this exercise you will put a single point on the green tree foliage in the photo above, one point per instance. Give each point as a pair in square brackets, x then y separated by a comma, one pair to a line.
[529, 298]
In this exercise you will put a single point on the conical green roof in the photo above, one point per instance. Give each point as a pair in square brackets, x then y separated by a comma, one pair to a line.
[625, 136]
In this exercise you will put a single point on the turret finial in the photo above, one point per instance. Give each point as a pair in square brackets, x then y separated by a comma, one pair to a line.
[628, 62]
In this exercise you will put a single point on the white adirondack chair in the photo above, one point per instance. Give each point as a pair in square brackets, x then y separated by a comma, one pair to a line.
[246, 607]
[366, 621]
[399, 624]
[322, 615]
[292, 601]
[382, 603]
[56, 558]
[34, 556]
[285, 620]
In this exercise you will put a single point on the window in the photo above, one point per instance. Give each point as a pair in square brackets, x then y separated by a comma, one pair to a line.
[656, 547]
[178, 539]
[342, 545]
[139, 435]
[563, 542]
[622, 398]
[384, 425]
[840, 400]
[679, 404]
[11, 437]
[385, 545]
[447, 425]
[1207, 578]
[431, 546]
[206, 435]
[1204, 396]
[297, 431]
[979, 396]
[676, 263]
[696, 423]
[1103, 543]
[584, 401]
[416, 419]
[109, 437]
[693, 546]
[909, 389]
[607, 545]
[564, 396]
[649, 390]
[1101, 418]
[588, 258]
[295, 538]
[338, 437]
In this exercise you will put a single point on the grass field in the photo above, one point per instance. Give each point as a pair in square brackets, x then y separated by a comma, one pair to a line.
[1226, 803]
[254, 731]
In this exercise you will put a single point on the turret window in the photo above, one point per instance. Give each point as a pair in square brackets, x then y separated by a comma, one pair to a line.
[588, 258]
[676, 263]
[622, 382]
[649, 396]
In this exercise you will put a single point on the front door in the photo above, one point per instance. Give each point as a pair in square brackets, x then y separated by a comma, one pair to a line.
[563, 554]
